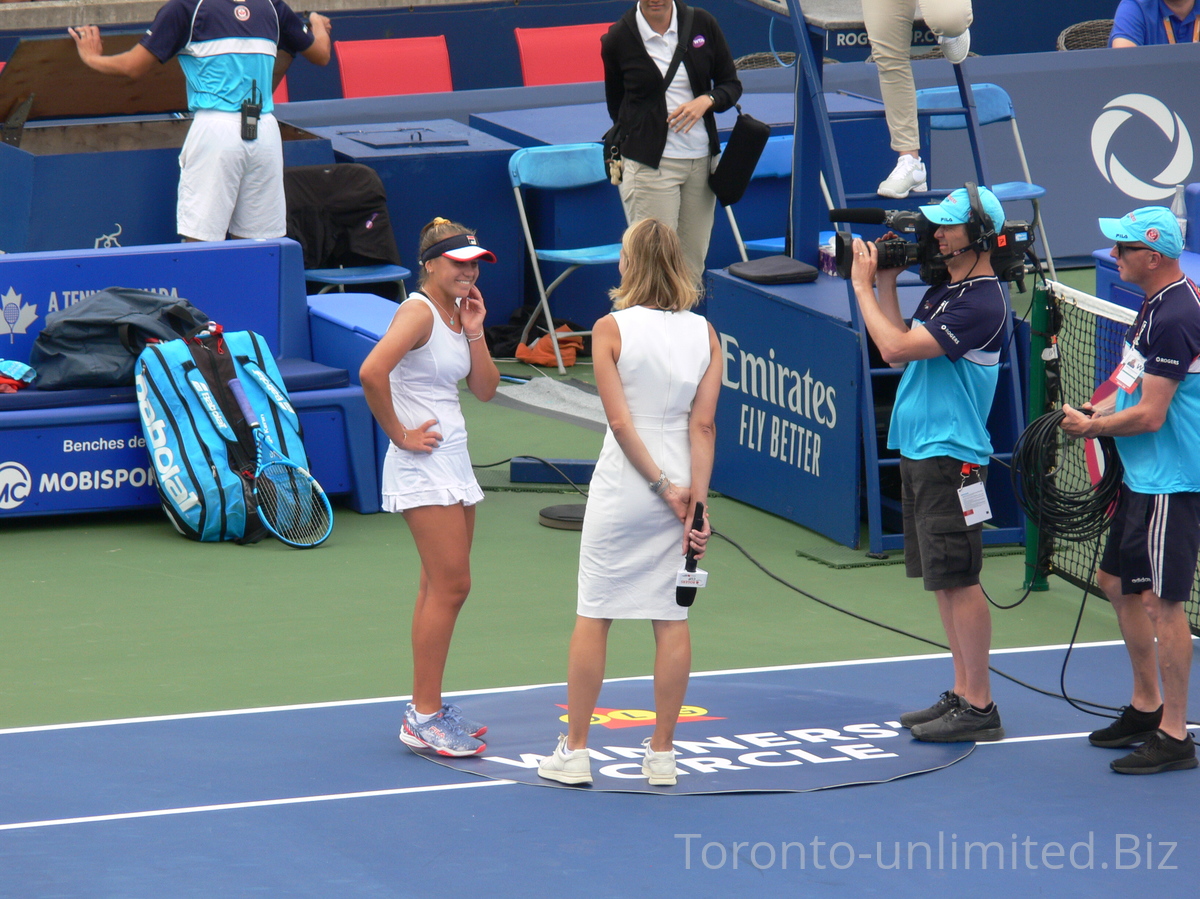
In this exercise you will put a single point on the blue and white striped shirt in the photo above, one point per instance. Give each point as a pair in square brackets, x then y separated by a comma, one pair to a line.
[225, 45]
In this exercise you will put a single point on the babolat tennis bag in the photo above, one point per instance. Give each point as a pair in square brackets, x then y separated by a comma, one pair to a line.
[202, 450]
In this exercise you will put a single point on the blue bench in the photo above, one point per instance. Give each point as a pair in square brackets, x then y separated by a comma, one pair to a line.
[68, 451]
[345, 328]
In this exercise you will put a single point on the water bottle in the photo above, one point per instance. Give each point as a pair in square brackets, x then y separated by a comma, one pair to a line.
[1179, 210]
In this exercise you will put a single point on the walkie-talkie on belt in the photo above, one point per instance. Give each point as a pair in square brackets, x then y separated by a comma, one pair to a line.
[251, 111]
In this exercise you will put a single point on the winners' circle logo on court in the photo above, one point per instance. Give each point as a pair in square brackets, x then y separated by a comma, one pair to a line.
[15, 484]
[242, 13]
[1144, 185]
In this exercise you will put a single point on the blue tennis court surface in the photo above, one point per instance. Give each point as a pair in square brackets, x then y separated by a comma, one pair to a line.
[323, 801]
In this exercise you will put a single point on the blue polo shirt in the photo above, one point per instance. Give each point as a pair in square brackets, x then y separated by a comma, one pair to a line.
[942, 404]
[1141, 21]
[1167, 334]
[224, 45]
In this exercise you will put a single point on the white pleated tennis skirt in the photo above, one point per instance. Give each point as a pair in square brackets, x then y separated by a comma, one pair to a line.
[441, 478]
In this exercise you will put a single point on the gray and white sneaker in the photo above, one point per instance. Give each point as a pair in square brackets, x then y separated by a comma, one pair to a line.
[659, 767]
[441, 733]
[567, 766]
[472, 728]
[908, 175]
[955, 49]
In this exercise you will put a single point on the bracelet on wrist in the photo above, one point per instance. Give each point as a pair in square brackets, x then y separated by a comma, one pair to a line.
[659, 487]
[471, 339]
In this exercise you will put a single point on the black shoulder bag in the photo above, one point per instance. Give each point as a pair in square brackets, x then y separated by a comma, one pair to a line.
[732, 175]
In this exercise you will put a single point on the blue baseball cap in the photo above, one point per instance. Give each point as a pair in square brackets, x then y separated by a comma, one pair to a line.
[956, 209]
[1155, 226]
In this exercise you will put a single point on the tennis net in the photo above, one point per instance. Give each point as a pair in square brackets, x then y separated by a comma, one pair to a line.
[1086, 334]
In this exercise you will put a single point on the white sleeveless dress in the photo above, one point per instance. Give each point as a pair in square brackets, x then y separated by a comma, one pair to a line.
[630, 549]
[424, 386]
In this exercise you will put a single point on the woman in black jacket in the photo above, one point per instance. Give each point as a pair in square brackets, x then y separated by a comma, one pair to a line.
[665, 161]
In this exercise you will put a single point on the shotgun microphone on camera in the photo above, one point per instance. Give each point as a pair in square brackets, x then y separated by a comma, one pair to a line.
[865, 216]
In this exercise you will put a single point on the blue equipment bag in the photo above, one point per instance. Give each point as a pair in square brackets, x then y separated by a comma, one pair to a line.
[201, 448]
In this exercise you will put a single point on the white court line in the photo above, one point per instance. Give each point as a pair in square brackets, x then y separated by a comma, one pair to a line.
[338, 703]
[1042, 737]
[371, 794]
[262, 803]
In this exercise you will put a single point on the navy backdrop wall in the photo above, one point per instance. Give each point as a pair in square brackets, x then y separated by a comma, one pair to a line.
[483, 52]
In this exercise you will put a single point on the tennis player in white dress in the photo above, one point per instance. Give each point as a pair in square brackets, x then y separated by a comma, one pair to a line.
[658, 369]
[410, 380]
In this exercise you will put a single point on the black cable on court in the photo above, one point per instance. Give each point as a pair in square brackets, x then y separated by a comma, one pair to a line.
[1079, 516]
[1061, 513]
[836, 608]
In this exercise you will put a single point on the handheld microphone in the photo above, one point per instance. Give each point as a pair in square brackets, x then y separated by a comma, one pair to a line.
[864, 216]
[685, 596]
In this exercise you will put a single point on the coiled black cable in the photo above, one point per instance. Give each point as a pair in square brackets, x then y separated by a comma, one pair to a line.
[1078, 516]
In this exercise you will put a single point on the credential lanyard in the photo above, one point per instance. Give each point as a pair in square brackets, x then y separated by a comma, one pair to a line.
[1171, 31]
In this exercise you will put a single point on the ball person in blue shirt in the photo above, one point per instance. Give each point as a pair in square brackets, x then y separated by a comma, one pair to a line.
[951, 354]
[1149, 562]
[231, 180]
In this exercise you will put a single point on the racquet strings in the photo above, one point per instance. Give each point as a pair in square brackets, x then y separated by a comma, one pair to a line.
[291, 503]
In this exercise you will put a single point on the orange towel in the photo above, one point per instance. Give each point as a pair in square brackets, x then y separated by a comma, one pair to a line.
[542, 352]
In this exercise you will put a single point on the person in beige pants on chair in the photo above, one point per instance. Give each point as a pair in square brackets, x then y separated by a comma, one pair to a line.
[890, 29]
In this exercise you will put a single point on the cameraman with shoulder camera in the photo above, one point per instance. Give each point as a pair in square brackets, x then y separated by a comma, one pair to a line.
[951, 351]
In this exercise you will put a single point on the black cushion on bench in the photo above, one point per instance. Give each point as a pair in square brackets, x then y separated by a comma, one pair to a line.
[298, 375]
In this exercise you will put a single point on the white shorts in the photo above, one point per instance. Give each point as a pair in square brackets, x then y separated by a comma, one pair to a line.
[230, 185]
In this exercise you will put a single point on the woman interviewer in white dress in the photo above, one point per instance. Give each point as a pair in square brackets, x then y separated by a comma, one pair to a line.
[410, 380]
[658, 370]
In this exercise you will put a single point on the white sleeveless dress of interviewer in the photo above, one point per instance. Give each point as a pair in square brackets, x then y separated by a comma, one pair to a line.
[631, 547]
[425, 386]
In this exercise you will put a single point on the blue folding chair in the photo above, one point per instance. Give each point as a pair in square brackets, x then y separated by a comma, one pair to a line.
[992, 105]
[558, 168]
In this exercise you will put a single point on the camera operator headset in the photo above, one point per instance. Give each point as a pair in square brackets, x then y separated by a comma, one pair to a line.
[981, 230]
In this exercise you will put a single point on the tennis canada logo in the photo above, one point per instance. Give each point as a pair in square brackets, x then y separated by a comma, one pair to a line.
[1145, 109]
[15, 484]
[17, 317]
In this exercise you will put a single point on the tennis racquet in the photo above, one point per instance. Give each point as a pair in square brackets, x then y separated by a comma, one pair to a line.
[291, 503]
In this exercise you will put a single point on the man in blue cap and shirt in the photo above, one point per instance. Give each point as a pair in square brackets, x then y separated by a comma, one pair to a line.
[1149, 563]
[951, 354]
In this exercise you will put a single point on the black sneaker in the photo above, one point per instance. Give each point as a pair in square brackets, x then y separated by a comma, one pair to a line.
[964, 724]
[1158, 753]
[947, 701]
[1131, 727]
